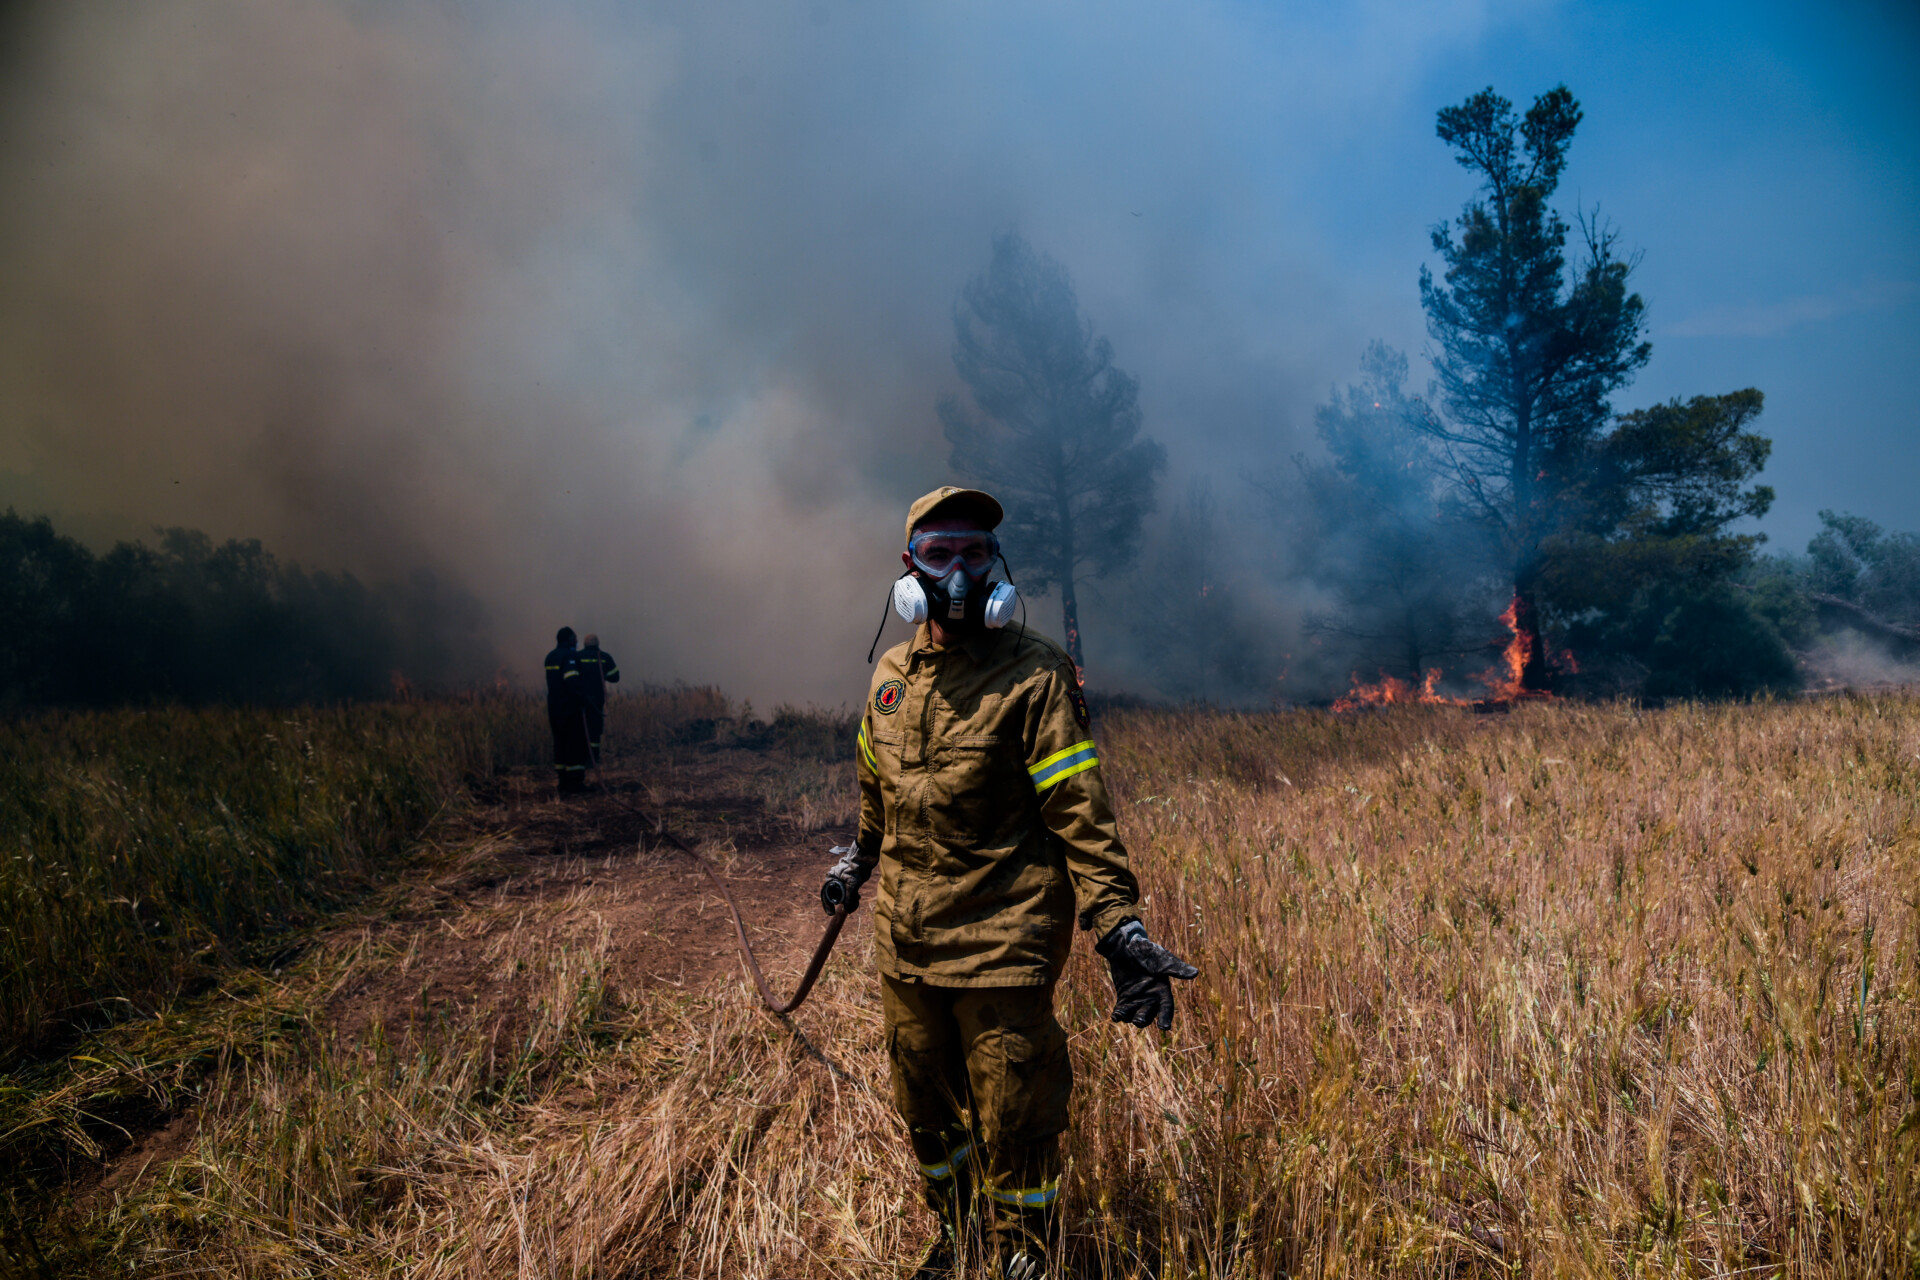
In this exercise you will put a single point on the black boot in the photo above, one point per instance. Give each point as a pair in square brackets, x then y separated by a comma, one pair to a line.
[1019, 1240]
[960, 1239]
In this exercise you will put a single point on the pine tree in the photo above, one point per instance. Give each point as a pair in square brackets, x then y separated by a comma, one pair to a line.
[1529, 351]
[1053, 428]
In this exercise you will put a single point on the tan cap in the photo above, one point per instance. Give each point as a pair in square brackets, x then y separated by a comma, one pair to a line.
[948, 500]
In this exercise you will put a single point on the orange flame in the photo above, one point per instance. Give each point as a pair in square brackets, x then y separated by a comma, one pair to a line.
[1391, 691]
[1502, 680]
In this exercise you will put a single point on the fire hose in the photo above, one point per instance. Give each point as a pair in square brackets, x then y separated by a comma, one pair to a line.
[820, 952]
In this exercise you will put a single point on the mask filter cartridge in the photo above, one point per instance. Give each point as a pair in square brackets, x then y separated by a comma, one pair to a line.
[910, 600]
[1000, 602]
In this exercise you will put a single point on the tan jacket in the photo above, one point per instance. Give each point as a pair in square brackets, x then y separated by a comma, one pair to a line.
[981, 798]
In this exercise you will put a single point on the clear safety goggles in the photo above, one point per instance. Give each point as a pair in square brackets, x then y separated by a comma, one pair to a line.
[940, 554]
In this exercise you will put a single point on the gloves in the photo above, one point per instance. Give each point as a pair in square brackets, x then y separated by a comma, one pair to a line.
[1141, 969]
[844, 878]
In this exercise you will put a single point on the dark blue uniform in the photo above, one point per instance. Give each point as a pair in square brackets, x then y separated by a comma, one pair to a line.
[567, 716]
[597, 671]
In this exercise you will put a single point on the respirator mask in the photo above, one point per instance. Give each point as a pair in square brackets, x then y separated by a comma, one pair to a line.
[954, 590]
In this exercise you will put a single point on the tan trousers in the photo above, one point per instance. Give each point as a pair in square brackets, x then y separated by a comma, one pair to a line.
[980, 1074]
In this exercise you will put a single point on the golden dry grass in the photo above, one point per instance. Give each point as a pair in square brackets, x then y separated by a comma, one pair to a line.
[1575, 991]
[1581, 990]
[141, 850]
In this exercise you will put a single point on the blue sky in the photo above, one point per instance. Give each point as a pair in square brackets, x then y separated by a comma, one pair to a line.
[1766, 160]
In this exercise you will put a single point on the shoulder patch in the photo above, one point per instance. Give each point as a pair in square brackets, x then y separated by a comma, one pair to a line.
[1079, 701]
[886, 699]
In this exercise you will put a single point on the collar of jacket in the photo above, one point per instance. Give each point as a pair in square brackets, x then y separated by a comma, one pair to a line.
[976, 646]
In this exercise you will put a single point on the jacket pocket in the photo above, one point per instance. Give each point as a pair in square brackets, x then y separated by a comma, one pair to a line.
[974, 798]
[886, 747]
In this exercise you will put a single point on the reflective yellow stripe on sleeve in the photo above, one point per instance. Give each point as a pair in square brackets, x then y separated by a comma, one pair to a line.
[866, 750]
[1077, 758]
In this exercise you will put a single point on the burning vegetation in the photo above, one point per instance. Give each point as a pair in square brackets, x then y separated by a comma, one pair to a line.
[1505, 683]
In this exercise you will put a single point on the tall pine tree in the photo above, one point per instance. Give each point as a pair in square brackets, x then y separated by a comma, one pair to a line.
[1529, 350]
[1053, 428]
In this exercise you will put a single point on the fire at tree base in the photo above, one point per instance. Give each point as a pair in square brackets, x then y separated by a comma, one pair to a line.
[1504, 681]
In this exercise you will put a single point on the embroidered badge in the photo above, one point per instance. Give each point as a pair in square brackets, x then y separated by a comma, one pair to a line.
[1079, 701]
[886, 699]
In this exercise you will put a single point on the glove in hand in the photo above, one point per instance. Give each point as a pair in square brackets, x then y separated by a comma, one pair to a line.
[844, 878]
[1142, 970]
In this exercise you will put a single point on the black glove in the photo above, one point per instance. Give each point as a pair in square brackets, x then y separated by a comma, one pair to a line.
[844, 878]
[1141, 969]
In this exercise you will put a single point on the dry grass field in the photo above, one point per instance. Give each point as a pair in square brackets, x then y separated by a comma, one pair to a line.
[1572, 991]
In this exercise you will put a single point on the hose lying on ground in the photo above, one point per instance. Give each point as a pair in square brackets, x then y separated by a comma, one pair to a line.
[820, 953]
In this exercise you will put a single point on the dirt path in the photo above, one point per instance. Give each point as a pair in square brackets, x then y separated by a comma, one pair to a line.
[522, 872]
[538, 861]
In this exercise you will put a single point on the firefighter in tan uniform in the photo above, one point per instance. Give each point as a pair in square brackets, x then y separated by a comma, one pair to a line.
[982, 806]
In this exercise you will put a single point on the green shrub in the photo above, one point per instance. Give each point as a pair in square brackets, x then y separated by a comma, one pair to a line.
[1716, 645]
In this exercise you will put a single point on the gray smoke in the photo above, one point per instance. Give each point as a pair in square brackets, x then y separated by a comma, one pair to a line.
[634, 316]
[1849, 660]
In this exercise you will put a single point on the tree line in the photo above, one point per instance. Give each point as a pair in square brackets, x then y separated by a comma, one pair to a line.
[1510, 497]
[192, 620]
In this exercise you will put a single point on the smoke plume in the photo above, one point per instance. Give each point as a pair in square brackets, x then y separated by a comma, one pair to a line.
[634, 317]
